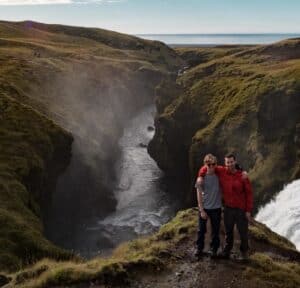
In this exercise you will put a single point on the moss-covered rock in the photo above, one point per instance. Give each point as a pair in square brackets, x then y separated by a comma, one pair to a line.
[34, 151]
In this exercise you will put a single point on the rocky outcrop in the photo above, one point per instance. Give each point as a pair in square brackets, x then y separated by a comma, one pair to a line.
[246, 103]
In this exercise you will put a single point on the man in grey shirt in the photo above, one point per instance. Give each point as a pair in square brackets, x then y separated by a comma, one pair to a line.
[209, 204]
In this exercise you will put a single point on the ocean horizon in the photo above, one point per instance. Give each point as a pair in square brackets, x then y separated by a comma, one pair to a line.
[219, 39]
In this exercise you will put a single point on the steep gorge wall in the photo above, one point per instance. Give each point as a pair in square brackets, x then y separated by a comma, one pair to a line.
[245, 102]
[34, 151]
[90, 82]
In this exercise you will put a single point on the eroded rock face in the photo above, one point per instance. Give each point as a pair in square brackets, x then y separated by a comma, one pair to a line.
[247, 103]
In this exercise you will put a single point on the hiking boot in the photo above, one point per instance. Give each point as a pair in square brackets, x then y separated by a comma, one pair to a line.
[213, 253]
[244, 256]
[224, 255]
[199, 254]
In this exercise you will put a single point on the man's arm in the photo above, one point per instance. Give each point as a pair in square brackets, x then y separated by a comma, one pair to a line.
[218, 170]
[202, 172]
[199, 185]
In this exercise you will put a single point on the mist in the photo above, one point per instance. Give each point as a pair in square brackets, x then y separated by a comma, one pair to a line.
[94, 103]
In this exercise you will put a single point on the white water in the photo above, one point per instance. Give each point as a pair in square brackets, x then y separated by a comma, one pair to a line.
[282, 214]
[143, 204]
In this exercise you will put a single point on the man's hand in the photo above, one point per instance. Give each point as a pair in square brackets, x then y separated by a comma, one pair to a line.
[244, 175]
[249, 217]
[203, 214]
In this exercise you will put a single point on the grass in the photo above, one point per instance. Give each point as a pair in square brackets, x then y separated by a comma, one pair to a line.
[273, 273]
[262, 233]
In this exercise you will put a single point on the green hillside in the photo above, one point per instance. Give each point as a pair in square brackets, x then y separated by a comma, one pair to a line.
[244, 100]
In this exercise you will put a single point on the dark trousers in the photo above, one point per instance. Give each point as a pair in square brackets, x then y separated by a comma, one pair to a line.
[236, 216]
[215, 218]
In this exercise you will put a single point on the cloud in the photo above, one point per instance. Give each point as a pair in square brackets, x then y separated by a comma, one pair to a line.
[49, 2]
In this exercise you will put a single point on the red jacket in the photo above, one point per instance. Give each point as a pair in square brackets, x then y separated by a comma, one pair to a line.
[237, 192]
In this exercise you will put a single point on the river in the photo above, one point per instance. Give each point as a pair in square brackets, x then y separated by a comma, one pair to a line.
[143, 202]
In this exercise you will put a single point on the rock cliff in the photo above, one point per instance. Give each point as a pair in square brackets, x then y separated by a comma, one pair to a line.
[243, 100]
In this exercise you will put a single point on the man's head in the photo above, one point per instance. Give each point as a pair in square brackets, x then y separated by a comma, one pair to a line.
[230, 161]
[210, 161]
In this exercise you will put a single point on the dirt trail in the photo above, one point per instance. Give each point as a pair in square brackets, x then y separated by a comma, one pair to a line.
[183, 270]
[186, 271]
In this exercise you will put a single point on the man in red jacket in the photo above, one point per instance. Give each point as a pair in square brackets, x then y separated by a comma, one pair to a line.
[238, 203]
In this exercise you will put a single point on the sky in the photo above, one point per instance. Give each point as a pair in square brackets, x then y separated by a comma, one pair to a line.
[162, 16]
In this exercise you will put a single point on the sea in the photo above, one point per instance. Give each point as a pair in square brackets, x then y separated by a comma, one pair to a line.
[217, 39]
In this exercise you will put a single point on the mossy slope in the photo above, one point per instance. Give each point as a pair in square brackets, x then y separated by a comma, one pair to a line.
[90, 82]
[34, 151]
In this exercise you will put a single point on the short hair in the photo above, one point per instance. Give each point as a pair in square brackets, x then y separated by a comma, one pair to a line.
[210, 157]
[230, 155]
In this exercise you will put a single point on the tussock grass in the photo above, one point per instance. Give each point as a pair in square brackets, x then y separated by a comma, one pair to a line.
[275, 273]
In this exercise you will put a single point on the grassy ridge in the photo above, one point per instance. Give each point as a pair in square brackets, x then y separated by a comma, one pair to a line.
[154, 253]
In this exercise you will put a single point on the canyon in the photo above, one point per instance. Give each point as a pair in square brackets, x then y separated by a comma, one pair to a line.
[67, 95]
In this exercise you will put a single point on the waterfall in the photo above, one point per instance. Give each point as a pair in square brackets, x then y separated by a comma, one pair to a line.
[282, 214]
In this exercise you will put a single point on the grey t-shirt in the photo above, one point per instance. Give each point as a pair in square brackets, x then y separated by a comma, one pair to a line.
[211, 192]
